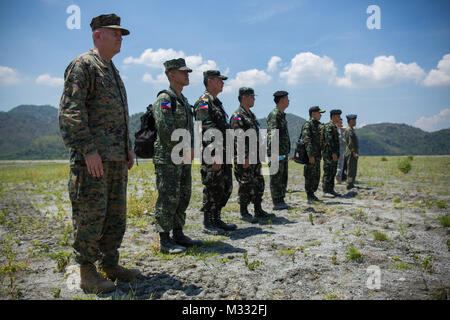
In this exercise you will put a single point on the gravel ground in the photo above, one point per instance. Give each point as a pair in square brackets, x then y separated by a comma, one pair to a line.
[381, 241]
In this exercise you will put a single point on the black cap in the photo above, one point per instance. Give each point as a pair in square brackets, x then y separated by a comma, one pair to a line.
[315, 109]
[280, 93]
[335, 111]
[351, 116]
[213, 74]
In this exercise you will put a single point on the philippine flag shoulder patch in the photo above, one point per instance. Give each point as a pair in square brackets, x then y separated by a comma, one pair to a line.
[204, 106]
[237, 118]
[165, 105]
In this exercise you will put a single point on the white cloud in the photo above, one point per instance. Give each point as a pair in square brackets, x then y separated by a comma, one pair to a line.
[384, 71]
[436, 122]
[9, 76]
[47, 80]
[249, 78]
[155, 60]
[272, 66]
[160, 79]
[441, 76]
[307, 67]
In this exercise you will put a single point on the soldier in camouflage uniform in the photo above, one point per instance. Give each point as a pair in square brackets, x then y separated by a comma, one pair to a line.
[311, 137]
[277, 120]
[217, 177]
[173, 181]
[248, 175]
[342, 147]
[330, 152]
[93, 119]
[352, 150]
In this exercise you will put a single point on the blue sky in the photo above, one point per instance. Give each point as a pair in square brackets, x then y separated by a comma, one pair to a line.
[321, 52]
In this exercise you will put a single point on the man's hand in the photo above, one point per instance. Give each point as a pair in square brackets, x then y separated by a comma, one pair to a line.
[94, 164]
[312, 160]
[335, 157]
[355, 155]
[188, 158]
[130, 160]
[246, 164]
[217, 163]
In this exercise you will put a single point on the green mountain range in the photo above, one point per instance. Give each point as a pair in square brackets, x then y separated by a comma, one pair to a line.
[30, 132]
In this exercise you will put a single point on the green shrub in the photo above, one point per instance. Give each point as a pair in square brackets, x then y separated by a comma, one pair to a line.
[404, 165]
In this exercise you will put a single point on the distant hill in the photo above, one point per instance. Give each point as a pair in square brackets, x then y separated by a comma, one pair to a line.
[402, 139]
[32, 132]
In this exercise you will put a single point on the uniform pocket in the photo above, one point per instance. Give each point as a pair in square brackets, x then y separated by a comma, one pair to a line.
[75, 182]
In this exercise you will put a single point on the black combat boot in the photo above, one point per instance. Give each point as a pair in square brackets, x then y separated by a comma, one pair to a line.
[311, 197]
[245, 215]
[167, 245]
[181, 239]
[208, 225]
[218, 223]
[334, 193]
[279, 204]
[260, 213]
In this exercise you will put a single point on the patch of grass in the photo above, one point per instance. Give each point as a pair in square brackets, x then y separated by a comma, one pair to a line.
[138, 207]
[10, 268]
[444, 220]
[379, 236]
[199, 253]
[251, 265]
[401, 266]
[332, 296]
[354, 254]
[384, 159]
[288, 251]
[441, 205]
[62, 259]
[357, 232]
[427, 265]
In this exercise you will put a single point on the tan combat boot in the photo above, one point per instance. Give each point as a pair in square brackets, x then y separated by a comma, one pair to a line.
[92, 282]
[121, 273]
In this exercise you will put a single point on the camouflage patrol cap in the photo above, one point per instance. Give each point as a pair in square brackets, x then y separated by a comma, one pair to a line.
[246, 91]
[280, 93]
[315, 109]
[335, 111]
[213, 74]
[108, 21]
[178, 64]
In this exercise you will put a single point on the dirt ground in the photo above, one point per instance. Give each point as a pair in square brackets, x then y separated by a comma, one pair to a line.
[388, 239]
